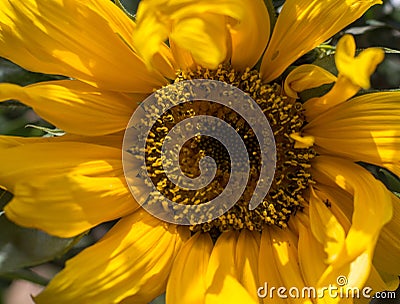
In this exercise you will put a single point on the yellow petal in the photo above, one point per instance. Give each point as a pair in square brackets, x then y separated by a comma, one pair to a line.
[284, 247]
[187, 280]
[183, 57]
[85, 109]
[354, 73]
[387, 249]
[311, 256]
[387, 253]
[112, 140]
[326, 228]
[372, 210]
[64, 188]
[365, 128]
[250, 36]
[342, 90]
[304, 24]
[247, 251]
[131, 262]
[222, 276]
[199, 27]
[268, 270]
[230, 291]
[306, 76]
[203, 34]
[360, 68]
[87, 40]
[222, 260]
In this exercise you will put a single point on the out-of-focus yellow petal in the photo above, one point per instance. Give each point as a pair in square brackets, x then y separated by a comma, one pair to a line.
[250, 36]
[247, 250]
[87, 40]
[372, 210]
[183, 57]
[366, 128]
[64, 188]
[354, 74]
[74, 106]
[203, 34]
[302, 25]
[187, 280]
[198, 26]
[132, 262]
[306, 76]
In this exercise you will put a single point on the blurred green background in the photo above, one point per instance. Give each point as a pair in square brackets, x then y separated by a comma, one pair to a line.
[380, 26]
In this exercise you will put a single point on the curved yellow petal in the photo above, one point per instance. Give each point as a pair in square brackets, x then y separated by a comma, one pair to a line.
[250, 36]
[311, 257]
[306, 76]
[342, 90]
[341, 205]
[87, 40]
[365, 128]
[357, 69]
[304, 24]
[372, 210]
[247, 250]
[354, 74]
[64, 188]
[203, 34]
[198, 26]
[326, 228]
[131, 262]
[74, 106]
[187, 280]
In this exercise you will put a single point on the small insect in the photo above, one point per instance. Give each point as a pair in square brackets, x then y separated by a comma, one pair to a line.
[327, 203]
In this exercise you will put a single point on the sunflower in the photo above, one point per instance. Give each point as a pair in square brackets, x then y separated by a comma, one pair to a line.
[324, 218]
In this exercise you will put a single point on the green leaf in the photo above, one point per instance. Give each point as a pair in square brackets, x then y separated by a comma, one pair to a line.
[271, 7]
[13, 73]
[22, 247]
[388, 178]
[123, 8]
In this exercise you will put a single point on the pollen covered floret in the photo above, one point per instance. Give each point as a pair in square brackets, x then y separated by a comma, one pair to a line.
[291, 179]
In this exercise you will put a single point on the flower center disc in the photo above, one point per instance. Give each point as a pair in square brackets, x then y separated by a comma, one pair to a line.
[286, 184]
